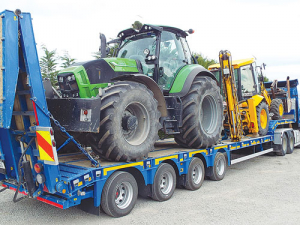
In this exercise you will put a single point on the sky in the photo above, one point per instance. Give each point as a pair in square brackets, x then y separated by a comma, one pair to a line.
[268, 30]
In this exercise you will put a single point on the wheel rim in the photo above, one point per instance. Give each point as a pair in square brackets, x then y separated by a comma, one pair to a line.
[263, 119]
[280, 109]
[208, 114]
[135, 123]
[124, 195]
[166, 183]
[220, 167]
[284, 145]
[197, 174]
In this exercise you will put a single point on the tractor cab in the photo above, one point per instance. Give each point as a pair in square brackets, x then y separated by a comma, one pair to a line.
[246, 77]
[162, 51]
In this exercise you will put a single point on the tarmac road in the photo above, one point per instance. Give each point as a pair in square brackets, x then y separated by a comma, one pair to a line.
[263, 190]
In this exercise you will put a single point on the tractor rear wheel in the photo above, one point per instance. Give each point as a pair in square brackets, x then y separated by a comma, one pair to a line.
[276, 109]
[129, 123]
[202, 115]
[262, 112]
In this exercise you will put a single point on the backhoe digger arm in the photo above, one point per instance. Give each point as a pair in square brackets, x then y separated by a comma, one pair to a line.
[233, 110]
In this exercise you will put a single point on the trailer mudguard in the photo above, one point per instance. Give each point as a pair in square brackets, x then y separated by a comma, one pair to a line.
[185, 77]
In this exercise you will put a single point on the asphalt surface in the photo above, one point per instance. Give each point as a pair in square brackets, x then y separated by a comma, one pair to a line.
[263, 190]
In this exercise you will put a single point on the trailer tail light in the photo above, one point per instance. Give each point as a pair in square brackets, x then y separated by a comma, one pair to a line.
[38, 167]
[51, 131]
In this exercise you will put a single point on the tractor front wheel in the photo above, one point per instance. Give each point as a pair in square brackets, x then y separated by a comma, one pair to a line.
[262, 112]
[276, 109]
[129, 123]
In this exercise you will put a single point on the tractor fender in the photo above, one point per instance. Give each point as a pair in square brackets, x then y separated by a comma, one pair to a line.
[149, 83]
[185, 78]
[257, 99]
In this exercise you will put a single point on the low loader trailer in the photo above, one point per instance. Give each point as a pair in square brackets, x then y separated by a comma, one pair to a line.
[32, 166]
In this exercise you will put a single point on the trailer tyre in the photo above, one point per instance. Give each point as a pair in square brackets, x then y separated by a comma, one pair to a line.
[164, 183]
[276, 108]
[262, 112]
[291, 142]
[129, 123]
[202, 115]
[281, 150]
[219, 168]
[195, 175]
[119, 194]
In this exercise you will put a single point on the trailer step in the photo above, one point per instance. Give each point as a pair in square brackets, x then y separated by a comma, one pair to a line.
[241, 159]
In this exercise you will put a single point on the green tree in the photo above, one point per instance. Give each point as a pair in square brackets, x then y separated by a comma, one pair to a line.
[48, 64]
[67, 60]
[203, 60]
[137, 25]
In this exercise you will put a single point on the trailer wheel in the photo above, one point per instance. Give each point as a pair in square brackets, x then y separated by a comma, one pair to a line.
[263, 120]
[276, 108]
[219, 168]
[129, 123]
[164, 183]
[291, 142]
[202, 115]
[119, 194]
[282, 149]
[195, 175]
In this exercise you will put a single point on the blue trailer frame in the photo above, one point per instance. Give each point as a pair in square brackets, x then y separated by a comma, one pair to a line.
[66, 183]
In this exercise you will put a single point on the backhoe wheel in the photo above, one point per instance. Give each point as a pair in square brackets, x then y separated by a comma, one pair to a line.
[282, 149]
[202, 115]
[276, 109]
[219, 169]
[262, 112]
[119, 194]
[164, 183]
[195, 175]
[129, 123]
[291, 142]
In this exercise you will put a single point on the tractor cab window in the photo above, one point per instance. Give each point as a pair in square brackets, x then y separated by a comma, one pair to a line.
[134, 47]
[187, 52]
[171, 59]
[247, 81]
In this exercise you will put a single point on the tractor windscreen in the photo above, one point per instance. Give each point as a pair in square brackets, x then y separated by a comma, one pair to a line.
[134, 47]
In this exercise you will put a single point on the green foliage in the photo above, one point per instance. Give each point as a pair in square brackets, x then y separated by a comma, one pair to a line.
[266, 79]
[203, 60]
[137, 25]
[48, 65]
[67, 60]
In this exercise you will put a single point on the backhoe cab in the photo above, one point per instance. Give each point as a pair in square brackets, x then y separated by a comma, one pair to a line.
[152, 83]
[255, 104]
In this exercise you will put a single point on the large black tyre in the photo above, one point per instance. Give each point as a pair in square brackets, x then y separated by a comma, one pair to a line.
[262, 112]
[291, 142]
[281, 150]
[276, 108]
[129, 123]
[119, 194]
[195, 175]
[202, 115]
[164, 183]
[218, 171]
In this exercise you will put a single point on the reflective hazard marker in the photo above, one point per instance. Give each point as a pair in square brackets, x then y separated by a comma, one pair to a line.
[46, 148]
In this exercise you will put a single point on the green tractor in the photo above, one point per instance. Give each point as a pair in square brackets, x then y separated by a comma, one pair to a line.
[151, 83]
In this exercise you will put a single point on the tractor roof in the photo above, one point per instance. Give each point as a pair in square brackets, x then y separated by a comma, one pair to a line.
[236, 63]
[149, 27]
